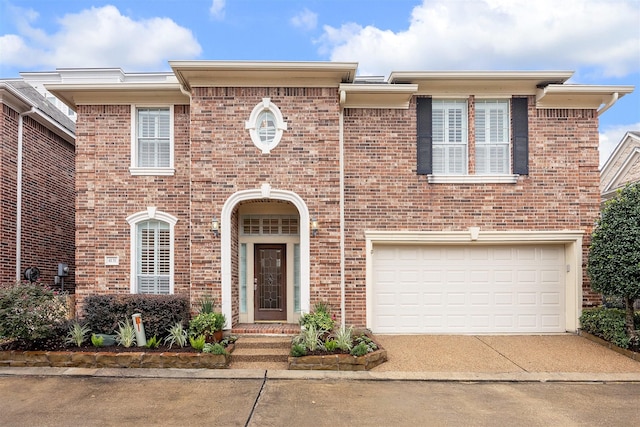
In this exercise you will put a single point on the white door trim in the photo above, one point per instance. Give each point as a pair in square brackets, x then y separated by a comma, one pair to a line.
[571, 239]
[265, 192]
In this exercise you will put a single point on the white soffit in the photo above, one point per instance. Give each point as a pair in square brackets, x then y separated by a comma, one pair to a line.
[118, 93]
[492, 83]
[376, 95]
[579, 96]
[262, 74]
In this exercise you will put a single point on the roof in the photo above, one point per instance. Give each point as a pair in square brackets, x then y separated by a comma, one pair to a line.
[622, 167]
[25, 95]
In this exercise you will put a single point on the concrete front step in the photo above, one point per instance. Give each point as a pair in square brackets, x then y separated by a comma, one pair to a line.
[263, 342]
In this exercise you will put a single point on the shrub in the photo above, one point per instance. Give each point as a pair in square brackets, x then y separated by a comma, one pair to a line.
[30, 312]
[298, 350]
[216, 348]
[344, 339]
[77, 334]
[197, 342]
[126, 334]
[97, 341]
[320, 318]
[360, 350]
[153, 342]
[310, 338]
[608, 324]
[207, 323]
[176, 335]
[159, 312]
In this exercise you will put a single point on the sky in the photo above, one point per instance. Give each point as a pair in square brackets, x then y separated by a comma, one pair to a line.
[597, 39]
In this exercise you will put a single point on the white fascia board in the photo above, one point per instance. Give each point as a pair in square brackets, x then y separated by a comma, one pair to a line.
[376, 96]
[578, 96]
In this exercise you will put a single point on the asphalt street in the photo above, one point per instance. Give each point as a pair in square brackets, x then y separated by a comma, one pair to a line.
[112, 401]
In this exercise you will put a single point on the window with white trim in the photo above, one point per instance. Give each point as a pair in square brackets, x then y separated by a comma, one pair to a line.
[152, 249]
[152, 141]
[492, 137]
[153, 258]
[449, 136]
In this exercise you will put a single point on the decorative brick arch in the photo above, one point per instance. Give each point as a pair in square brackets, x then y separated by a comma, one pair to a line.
[265, 192]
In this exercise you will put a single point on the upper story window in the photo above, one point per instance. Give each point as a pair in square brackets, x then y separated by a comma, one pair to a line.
[266, 125]
[496, 152]
[492, 137]
[449, 121]
[152, 249]
[152, 141]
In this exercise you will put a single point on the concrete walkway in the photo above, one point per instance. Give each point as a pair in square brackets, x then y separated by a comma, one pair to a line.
[540, 358]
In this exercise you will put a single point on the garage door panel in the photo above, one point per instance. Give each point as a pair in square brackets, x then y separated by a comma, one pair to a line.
[468, 289]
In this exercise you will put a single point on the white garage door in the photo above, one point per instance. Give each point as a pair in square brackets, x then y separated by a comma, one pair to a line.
[468, 289]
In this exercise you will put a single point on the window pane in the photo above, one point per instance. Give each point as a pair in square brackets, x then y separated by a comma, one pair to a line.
[154, 131]
[492, 137]
[449, 126]
[154, 257]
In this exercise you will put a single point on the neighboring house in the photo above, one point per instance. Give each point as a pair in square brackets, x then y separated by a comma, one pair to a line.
[37, 171]
[622, 167]
[432, 202]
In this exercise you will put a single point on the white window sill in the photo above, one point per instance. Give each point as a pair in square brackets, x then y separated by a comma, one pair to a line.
[152, 171]
[472, 179]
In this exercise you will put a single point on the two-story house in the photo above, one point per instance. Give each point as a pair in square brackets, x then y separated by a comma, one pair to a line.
[37, 168]
[430, 202]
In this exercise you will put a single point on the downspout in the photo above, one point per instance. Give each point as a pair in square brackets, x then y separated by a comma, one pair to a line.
[343, 96]
[19, 193]
[614, 98]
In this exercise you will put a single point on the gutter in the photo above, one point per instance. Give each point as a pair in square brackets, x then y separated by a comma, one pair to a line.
[614, 98]
[19, 192]
[342, 237]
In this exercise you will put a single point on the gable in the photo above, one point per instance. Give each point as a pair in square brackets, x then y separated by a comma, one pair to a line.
[623, 167]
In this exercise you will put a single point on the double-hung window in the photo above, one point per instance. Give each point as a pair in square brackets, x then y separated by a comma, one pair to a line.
[152, 141]
[492, 137]
[449, 136]
[153, 258]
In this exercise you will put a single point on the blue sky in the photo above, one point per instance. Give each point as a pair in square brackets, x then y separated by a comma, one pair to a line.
[598, 39]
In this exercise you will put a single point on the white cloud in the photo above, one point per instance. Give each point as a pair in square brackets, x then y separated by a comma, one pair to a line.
[611, 136]
[99, 37]
[498, 34]
[217, 9]
[307, 20]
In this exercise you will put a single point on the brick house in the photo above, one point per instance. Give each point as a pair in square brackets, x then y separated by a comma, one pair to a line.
[622, 167]
[430, 202]
[37, 171]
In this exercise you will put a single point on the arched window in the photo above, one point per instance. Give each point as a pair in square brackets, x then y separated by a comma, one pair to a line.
[152, 236]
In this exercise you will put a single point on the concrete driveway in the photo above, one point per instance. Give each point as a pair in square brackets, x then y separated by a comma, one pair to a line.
[510, 354]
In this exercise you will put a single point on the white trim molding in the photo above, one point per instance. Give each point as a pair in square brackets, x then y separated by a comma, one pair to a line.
[225, 238]
[570, 239]
[472, 179]
[151, 213]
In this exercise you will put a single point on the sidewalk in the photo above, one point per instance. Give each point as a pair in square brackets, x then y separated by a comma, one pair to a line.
[528, 358]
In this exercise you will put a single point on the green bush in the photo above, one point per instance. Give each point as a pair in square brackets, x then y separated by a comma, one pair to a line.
[206, 324]
[103, 313]
[608, 324]
[30, 312]
[320, 318]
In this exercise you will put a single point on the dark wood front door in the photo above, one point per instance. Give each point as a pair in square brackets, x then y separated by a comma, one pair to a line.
[270, 282]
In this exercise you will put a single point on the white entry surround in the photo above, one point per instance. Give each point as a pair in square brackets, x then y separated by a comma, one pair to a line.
[569, 242]
[264, 192]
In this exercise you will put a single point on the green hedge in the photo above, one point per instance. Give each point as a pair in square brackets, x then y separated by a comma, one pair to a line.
[159, 312]
[608, 324]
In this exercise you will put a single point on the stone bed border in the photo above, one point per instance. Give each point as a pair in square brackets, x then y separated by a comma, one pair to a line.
[630, 354]
[103, 359]
[338, 362]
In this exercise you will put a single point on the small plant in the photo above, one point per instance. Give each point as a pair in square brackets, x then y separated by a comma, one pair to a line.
[153, 342]
[216, 348]
[206, 324]
[320, 318]
[177, 336]
[96, 340]
[360, 350]
[229, 339]
[344, 338]
[197, 342]
[126, 334]
[310, 338]
[298, 350]
[77, 334]
[207, 305]
[331, 345]
[367, 341]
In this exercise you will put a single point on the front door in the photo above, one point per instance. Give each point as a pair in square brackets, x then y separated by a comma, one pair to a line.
[270, 282]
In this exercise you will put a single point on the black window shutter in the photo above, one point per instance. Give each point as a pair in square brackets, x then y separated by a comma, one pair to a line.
[520, 136]
[423, 113]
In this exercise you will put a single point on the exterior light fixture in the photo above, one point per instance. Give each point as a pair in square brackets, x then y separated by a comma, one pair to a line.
[215, 227]
[314, 227]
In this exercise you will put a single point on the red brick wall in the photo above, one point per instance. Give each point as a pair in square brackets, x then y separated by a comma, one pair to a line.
[383, 192]
[107, 194]
[48, 199]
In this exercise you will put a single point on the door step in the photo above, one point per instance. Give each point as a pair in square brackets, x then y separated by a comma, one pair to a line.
[261, 352]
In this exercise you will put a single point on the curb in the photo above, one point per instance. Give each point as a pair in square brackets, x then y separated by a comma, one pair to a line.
[260, 374]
